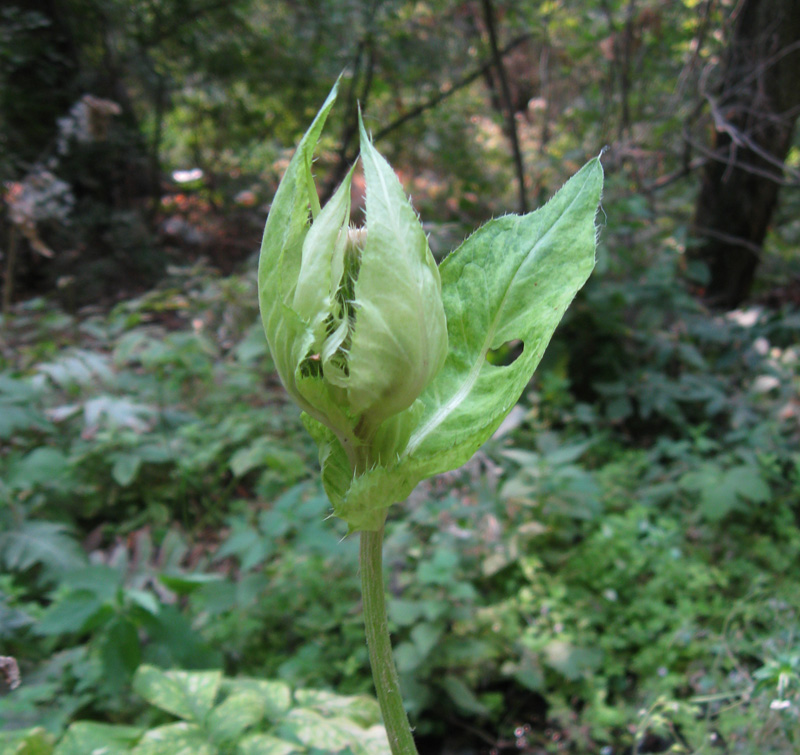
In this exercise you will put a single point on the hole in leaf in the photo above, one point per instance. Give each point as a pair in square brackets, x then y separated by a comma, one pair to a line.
[505, 354]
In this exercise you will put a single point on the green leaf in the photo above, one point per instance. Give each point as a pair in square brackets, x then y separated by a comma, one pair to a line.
[276, 696]
[18, 419]
[46, 543]
[120, 650]
[512, 279]
[183, 584]
[99, 579]
[43, 466]
[85, 737]
[239, 711]
[125, 468]
[725, 490]
[359, 708]
[315, 730]
[70, 614]
[175, 739]
[372, 741]
[249, 546]
[463, 697]
[748, 483]
[280, 258]
[263, 452]
[265, 744]
[573, 662]
[34, 741]
[186, 694]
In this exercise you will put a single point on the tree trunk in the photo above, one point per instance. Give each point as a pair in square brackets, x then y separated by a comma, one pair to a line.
[754, 111]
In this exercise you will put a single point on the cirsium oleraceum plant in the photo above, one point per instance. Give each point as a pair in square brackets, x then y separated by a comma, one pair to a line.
[386, 352]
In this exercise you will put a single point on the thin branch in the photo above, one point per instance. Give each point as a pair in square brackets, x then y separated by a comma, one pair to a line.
[729, 238]
[670, 178]
[747, 167]
[443, 94]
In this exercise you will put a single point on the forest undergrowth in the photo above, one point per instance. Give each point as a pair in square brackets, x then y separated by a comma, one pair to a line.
[615, 572]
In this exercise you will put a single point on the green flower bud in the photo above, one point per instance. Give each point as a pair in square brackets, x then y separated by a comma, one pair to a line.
[354, 317]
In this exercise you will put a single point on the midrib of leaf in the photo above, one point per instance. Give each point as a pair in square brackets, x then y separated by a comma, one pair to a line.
[449, 406]
[441, 414]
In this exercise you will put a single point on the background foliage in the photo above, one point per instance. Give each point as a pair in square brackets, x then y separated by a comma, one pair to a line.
[615, 572]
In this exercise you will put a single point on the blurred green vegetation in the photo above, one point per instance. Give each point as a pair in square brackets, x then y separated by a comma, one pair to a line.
[615, 572]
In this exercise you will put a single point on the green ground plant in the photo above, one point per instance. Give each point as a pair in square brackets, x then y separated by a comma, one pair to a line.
[218, 715]
[498, 563]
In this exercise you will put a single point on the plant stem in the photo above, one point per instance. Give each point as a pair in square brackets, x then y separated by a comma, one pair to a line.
[384, 672]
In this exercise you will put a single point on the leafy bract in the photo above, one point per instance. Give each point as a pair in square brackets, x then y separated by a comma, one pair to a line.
[281, 257]
[512, 279]
[354, 317]
[400, 339]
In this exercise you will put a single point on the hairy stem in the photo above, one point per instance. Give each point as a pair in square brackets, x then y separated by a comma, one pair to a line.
[384, 672]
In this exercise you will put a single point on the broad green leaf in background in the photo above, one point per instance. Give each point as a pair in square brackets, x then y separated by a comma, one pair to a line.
[266, 744]
[188, 695]
[463, 696]
[175, 739]
[85, 737]
[722, 491]
[36, 741]
[44, 466]
[184, 584]
[238, 712]
[39, 542]
[274, 695]
[317, 731]
[125, 468]
[359, 708]
[71, 613]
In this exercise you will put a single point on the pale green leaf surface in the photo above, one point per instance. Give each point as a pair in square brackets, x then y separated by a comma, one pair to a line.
[40, 542]
[175, 739]
[322, 260]
[463, 696]
[275, 695]
[35, 741]
[265, 744]
[314, 730]
[372, 742]
[125, 468]
[364, 710]
[70, 614]
[87, 737]
[400, 339]
[234, 715]
[512, 279]
[281, 249]
[186, 694]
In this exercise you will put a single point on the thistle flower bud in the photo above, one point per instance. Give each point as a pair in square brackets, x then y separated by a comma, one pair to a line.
[354, 317]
